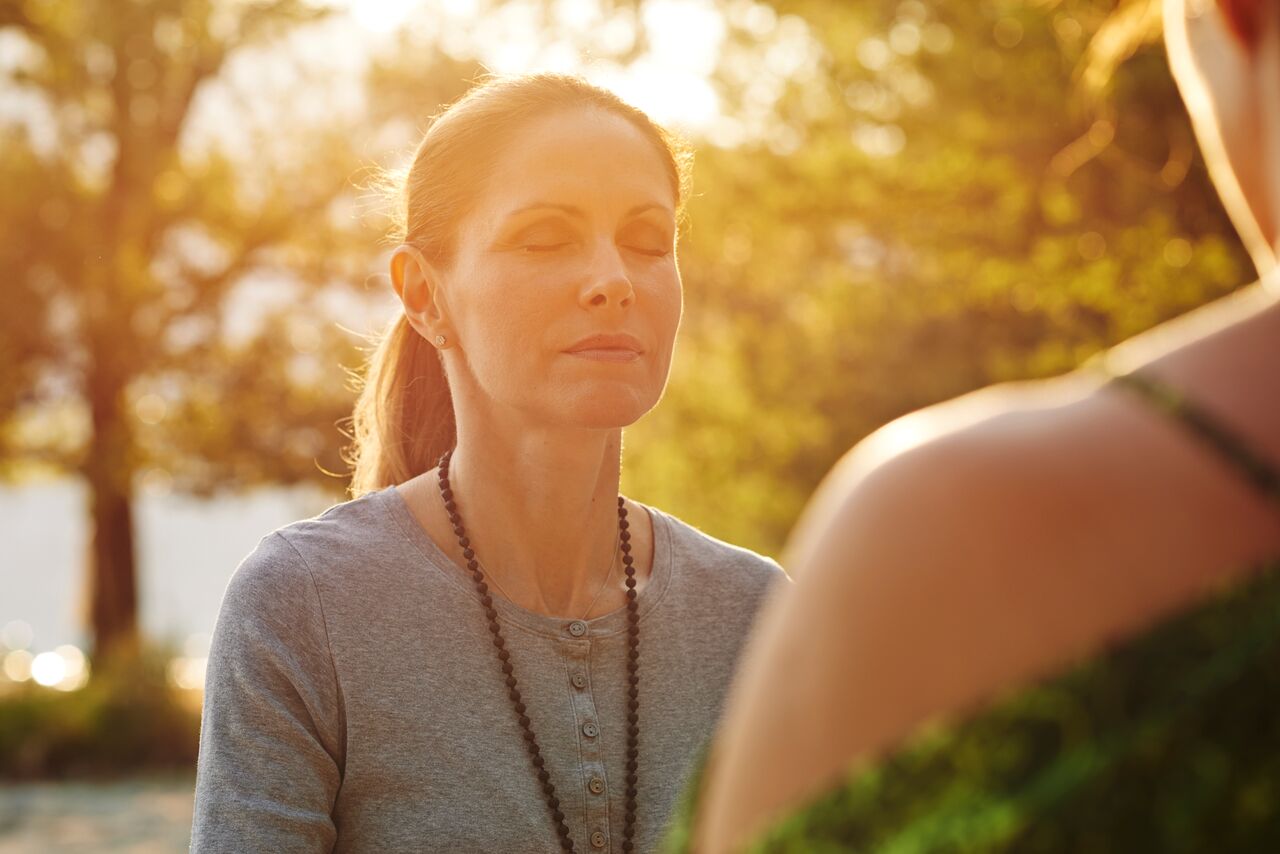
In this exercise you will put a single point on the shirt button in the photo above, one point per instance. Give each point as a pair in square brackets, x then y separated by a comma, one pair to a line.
[596, 785]
[590, 730]
[577, 628]
[597, 840]
[579, 680]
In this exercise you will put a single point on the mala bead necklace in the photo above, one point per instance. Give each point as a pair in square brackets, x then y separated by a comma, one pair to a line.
[513, 689]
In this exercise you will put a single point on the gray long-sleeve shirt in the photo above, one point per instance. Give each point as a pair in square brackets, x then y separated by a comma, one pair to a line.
[354, 700]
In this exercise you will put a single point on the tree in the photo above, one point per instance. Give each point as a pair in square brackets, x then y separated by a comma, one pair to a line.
[128, 248]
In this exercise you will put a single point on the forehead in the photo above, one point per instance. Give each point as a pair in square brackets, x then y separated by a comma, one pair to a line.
[584, 157]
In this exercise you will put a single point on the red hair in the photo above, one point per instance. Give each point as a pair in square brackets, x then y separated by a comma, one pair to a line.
[1244, 17]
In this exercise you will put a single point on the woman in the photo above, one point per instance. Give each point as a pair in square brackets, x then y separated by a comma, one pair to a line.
[489, 649]
[1094, 542]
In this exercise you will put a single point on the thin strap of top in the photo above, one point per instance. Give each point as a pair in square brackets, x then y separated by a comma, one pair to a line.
[1260, 473]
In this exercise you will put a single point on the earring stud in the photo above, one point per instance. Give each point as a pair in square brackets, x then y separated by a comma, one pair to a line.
[440, 340]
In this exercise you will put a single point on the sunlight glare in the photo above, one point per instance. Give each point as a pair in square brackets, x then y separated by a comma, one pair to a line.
[672, 96]
[383, 16]
[685, 34]
[672, 81]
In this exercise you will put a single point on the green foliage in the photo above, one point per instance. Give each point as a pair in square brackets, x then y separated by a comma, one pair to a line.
[127, 719]
[1163, 743]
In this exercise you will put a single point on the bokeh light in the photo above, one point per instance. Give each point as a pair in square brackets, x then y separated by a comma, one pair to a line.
[17, 665]
[187, 673]
[16, 634]
[48, 669]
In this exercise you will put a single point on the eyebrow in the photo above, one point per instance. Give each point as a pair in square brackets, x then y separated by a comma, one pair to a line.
[578, 212]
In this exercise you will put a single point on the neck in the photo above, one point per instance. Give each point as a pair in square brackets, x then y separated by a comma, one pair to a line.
[540, 509]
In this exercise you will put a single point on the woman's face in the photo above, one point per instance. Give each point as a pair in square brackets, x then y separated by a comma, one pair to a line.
[564, 297]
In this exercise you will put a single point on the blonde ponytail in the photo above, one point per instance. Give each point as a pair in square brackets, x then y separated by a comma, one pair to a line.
[403, 419]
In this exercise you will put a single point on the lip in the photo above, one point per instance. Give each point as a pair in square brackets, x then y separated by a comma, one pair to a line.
[615, 347]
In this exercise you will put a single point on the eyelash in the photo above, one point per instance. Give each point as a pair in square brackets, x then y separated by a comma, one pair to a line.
[540, 248]
[656, 253]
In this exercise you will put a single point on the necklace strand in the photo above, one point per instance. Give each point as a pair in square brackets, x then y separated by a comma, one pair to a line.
[513, 690]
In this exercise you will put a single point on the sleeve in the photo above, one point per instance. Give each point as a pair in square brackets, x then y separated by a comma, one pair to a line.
[271, 744]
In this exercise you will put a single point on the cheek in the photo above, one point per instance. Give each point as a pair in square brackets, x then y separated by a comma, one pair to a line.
[498, 323]
[509, 301]
[666, 301]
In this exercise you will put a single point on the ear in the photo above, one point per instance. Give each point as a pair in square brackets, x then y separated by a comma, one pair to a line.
[417, 283]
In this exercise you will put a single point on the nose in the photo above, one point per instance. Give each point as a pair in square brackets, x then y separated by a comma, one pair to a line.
[607, 283]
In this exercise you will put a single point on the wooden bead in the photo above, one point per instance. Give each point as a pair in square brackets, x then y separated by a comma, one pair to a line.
[504, 660]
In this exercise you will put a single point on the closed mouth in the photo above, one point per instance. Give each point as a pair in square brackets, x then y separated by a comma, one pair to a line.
[618, 347]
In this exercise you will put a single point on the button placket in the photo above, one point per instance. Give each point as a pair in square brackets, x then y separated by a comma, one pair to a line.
[595, 788]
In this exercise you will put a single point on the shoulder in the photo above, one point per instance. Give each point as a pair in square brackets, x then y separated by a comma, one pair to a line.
[905, 565]
[289, 564]
[696, 551]
[945, 483]
[1006, 534]
[926, 533]
[346, 534]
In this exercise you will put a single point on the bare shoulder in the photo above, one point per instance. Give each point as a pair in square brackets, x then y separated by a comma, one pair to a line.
[1021, 480]
[935, 484]
[985, 459]
[965, 549]
[1015, 529]
[1036, 525]
[894, 562]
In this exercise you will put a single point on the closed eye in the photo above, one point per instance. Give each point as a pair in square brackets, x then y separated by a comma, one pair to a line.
[645, 237]
[652, 253]
[542, 247]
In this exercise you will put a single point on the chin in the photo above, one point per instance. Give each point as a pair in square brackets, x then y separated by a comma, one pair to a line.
[607, 408]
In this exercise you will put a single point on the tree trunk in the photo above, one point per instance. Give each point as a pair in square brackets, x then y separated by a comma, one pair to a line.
[113, 589]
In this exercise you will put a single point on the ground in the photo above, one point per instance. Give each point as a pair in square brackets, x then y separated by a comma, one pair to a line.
[141, 816]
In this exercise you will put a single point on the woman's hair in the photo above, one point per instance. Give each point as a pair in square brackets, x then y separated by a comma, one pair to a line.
[403, 419]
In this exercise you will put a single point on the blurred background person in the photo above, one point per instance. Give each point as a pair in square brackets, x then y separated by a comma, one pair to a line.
[1073, 583]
